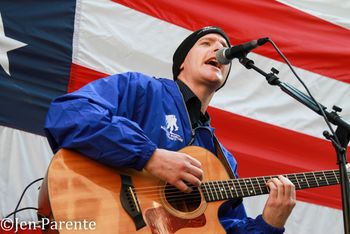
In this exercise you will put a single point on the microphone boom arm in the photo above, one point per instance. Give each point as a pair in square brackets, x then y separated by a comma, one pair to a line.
[342, 133]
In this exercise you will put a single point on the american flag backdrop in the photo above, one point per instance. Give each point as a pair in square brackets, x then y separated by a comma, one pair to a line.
[48, 48]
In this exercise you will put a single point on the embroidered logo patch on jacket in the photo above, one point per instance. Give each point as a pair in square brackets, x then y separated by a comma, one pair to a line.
[171, 127]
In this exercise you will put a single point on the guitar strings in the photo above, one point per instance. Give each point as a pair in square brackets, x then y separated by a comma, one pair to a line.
[261, 181]
[298, 178]
[249, 182]
[246, 186]
[215, 194]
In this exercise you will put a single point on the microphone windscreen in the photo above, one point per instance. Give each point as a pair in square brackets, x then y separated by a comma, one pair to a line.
[221, 57]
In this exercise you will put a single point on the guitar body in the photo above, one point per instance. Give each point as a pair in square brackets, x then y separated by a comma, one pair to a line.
[77, 188]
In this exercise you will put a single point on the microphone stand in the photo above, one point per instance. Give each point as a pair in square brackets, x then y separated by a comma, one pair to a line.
[342, 132]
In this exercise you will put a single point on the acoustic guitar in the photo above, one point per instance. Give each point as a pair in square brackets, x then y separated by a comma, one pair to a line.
[78, 189]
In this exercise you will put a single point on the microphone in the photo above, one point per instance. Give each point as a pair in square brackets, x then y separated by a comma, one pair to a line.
[225, 55]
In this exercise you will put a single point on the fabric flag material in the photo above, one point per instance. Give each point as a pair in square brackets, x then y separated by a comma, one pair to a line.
[47, 49]
[38, 70]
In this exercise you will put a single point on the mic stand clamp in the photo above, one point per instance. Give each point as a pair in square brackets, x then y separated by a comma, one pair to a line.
[342, 133]
[338, 147]
[271, 77]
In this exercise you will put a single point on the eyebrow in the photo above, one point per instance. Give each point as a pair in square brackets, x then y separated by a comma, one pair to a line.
[221, 40]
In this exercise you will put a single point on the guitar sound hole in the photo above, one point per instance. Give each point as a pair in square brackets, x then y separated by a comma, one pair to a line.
[185, 202]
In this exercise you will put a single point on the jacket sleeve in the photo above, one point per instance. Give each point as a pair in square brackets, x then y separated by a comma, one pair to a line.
[97, 122]
[236, 221]
[233, 215]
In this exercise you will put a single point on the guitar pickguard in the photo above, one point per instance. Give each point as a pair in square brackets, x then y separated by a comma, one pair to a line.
[160, 221]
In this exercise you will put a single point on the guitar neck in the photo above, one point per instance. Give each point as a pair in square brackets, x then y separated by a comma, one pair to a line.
[246, 187]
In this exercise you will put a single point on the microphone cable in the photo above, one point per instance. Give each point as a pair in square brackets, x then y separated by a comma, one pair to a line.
[307, 90]
[20, 200]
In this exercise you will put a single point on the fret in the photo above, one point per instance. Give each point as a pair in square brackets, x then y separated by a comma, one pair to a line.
[258, 183]
[224, 189]
[296, 179]
[216, 198]
[217, 188]
[336, 177]
[301, 180]
[254, 186]
[239, 184]
[264, 179]
[333, 177]
[233, 186]
[228, 188]
[293, 180]
[320, 178]
[245, 185]
[307, 181]
[264, 188]
[251, 189]
[267, 178]
[310, 180]
[325, 177]
[211, 191]
[262, 183]
[206, 193]
[315, 179]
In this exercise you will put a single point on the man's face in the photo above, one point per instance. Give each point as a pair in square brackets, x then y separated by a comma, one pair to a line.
[200, 65]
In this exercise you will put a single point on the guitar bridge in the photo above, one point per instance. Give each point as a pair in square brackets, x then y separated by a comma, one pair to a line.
[130, 203]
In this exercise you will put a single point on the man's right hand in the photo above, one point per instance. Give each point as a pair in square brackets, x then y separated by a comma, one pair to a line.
[175, 168]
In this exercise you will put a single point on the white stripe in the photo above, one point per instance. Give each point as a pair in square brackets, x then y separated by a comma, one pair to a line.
[121, 39]
[335, 11]
[247, 93]
[110, 42]
[24, 158]
[305, 219]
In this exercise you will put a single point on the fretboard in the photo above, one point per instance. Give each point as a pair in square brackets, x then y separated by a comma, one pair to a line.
[245, 187]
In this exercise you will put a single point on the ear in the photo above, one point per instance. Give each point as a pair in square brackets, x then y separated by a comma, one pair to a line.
[182, 66]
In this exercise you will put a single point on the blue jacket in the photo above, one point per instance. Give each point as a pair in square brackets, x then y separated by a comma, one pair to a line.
[120, 120]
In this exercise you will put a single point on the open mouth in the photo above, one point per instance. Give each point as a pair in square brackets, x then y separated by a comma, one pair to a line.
[213, 62]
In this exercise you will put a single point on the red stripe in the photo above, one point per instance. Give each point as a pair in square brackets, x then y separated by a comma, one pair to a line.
[80, 76]
[260, 148]
[307, 41]
[21, 230]
[263, 149]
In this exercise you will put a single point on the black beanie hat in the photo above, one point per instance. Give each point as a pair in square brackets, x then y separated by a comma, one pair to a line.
[183, 49]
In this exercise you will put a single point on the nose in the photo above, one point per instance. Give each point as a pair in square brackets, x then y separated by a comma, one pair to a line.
[217, 46]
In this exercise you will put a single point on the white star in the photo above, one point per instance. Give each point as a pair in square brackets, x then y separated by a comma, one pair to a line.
[7, 44]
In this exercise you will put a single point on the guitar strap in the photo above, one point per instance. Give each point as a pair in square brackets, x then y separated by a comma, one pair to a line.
[222, 158]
